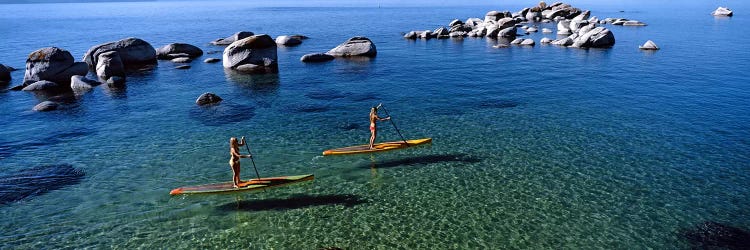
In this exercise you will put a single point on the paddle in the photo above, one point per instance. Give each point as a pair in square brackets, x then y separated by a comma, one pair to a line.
[251, 160]
[394, 125]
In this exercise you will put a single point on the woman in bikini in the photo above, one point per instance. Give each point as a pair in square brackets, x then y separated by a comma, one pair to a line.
[373, 119]
[234, 160]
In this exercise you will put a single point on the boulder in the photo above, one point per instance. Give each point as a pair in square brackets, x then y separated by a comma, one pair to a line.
[563, 27]
[492, 31]
[545, 40]
[4, 74]
[517, 41]
[173, 50]
[722, 11]
[52, 64]
[506, 22]
[441, 32]
[582, 16]
[46, 106]
[42, 85]
[533, 16]
[649, 45]
[565, 41]
[233, 38]
[211, 60]
[109, 64]
[528, 42]
[455, 22]
[598, 37]
[355, 46]
[133, 53]
[532, 29]
[254, 54]
[546, 30]
[182, 60]
[509, 32]
[288, 41]
[427, 34]
[593, 19]
[473, 22]
[208, 98]
[493, 16]
[411, 35]
[575, 25]
[633, 23]
[316, 57]
[81, 83]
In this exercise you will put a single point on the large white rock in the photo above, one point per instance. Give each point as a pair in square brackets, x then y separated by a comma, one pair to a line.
[722, 11]
[649, 45]
[355, 46]
[254, 54]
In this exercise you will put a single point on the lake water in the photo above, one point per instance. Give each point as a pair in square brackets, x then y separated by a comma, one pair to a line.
[533, 147]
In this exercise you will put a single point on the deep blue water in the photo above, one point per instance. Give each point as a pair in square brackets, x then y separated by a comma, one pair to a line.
[534, 147]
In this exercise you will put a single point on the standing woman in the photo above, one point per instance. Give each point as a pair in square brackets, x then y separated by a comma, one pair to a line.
[373, 119]
[234, 160]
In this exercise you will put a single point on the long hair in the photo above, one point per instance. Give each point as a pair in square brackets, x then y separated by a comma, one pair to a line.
[233, 141]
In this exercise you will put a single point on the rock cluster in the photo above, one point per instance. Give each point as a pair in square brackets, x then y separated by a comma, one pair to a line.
[579, 28]
[110, 60]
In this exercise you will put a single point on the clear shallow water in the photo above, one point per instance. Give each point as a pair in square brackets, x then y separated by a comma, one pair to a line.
[541, 147]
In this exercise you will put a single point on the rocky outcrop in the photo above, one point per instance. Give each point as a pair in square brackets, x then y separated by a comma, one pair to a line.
[722, 11]
[52, 64]
[133, 53]
[175, 50]
[288, 41]
[316, 57]
[233, 38]
[208, 98]
[598, 37]
[46, 106]
[649, 45]
[4, 74]
[110, 68]
[355, 46]
[254, 54]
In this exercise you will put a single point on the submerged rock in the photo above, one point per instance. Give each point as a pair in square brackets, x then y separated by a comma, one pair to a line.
[546, 30]
[355, 46]
[233, 38]
[181, 60]
[208, 98]
[316, 57]
[633, 23]
[175, 50]
[545, 40]
[288, 41]
[528, 42]
[35, 181]
[254, 54]
[46, 106]
[211, 60]
[81, 83]
[42, 85]
[649, 45]
[4, 74]
[722, 11]
[182, 67]
[713, 235]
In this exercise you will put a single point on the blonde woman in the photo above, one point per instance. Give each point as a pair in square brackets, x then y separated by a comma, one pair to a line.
[234, 160]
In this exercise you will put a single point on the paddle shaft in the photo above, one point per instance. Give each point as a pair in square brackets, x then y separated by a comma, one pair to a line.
[394, 126]
[251, 160]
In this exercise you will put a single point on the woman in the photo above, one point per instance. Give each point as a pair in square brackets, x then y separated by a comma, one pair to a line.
[234, 160]
[373, 119]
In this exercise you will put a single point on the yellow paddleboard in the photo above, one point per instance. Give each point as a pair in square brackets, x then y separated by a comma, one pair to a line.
[378, 147]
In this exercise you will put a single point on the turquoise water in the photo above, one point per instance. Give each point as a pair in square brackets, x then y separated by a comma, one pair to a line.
[541, 147]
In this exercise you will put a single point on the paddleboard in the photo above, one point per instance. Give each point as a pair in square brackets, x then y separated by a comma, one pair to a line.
[251, 185]
[378, 147]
